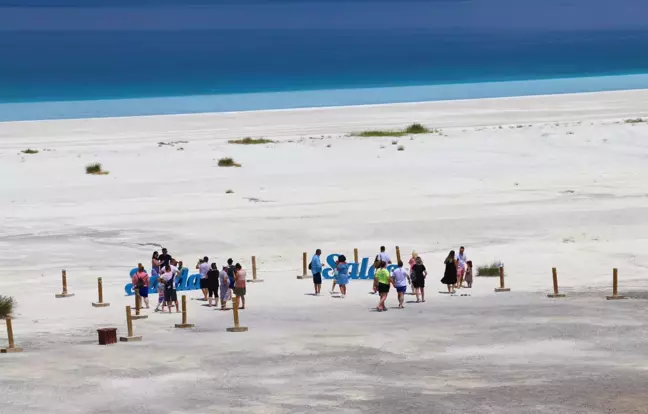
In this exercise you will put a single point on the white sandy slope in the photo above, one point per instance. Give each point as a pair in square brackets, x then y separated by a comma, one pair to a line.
[535, 182]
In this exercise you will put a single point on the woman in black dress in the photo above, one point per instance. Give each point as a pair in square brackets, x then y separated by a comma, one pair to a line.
[450, 275]
[419, 273]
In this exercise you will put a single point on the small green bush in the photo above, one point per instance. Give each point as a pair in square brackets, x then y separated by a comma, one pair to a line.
[251, 141]
[489, 270]
[95, 169]
[416, 129]
[30, 151]
[634, 121]
[230, 191]
[401, 148]
[228, 162]
[6, 306]
[411, 129]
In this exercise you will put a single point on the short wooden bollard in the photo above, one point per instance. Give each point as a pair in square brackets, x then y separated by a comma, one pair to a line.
[305, 266]
[65, 293]
[184, 323]
[355, 256]
[100, 303]
[138, 307]
[615, 291]
[12, 346]
[129, 324]
[502, 288]
[236, 327]
[254, 272]
[555, 285]
[398, 256]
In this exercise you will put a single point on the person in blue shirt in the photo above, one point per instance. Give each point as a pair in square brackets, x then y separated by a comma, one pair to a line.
[316, 269]
[343, 274]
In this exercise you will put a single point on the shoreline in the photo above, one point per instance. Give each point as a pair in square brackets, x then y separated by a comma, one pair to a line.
[327, 98]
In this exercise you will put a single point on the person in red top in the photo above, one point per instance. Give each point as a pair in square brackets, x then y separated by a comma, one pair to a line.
[141, 283]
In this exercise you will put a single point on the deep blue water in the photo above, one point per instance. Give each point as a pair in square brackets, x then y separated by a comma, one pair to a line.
[68, 50]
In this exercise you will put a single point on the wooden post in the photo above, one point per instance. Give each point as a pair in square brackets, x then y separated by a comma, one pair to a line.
[129, 324]
[64, 293]
[254, 272]
[12, 346]
[138, 306]
[236, 327]
[502, 288]
[100, 303]
[184, 323]
[398, 256]
[555, 285]
[615, 285]
[304, 275]
[356, 259]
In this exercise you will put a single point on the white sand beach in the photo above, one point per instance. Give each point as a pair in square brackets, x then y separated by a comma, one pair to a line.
[535, 182]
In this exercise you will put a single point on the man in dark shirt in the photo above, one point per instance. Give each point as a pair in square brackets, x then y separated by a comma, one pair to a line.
[164, 258]
[230, 272]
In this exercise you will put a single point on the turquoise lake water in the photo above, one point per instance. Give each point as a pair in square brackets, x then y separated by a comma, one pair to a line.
[68, 59]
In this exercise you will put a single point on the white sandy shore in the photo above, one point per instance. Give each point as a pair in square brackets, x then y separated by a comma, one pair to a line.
[535, 182]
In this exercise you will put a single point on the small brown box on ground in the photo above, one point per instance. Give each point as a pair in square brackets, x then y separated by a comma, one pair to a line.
[107, 336]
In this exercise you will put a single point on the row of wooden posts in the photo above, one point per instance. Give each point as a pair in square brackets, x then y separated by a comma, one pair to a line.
[237, 327]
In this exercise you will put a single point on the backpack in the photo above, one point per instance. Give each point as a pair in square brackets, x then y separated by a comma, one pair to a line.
[310, 265]
[140, 283]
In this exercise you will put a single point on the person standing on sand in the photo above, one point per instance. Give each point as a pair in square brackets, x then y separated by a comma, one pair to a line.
[178, 280]
[224, 287]
[203, 268]
[342, 277]
[170, 295]
[419, 273]
[155, 265]
[160, 289]
[450, 275]
[461, 266]
[316, 270]
[383, 281]
[165, 258]
[469, 275]
[141, 283]
[412, 262]
[213, 276]
[231, 270]
[239, 285]
[399, 280]
[383, 256]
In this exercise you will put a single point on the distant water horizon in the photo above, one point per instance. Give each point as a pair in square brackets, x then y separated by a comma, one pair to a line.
[100, 58]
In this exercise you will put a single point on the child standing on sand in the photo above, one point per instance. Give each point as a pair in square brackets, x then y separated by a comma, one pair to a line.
[160, 289]
[469, 276]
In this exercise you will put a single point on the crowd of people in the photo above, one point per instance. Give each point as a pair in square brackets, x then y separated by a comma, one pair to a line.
[226, 284]
[230, 282]
[458, 269]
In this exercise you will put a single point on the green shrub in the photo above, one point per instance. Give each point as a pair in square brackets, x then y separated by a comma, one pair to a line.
[250, 141]
[415, 128]
[228, 162]
[489, 270]
[30, 151]
[634, 121]
[95, 169]
[230, 191]
[6, 306]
